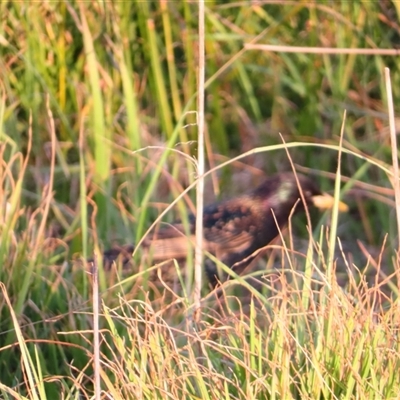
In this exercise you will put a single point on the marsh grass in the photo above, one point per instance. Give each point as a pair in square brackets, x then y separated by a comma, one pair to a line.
[95, 146]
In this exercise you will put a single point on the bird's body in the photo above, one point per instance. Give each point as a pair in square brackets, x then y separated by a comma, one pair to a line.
[235, 229]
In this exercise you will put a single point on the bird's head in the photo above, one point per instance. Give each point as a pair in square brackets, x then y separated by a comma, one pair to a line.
[281, 192]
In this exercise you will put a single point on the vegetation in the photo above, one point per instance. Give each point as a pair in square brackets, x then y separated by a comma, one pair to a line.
[98, 135]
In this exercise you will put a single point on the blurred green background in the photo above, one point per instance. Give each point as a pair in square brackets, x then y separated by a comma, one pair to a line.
[120, 81]
[124, 75]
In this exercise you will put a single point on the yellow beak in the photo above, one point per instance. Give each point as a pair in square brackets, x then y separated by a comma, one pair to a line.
[325, 201]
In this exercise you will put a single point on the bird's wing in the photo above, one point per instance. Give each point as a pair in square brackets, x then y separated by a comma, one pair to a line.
[229, 226]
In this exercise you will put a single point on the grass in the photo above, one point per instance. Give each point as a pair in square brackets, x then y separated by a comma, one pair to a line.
[96, 102]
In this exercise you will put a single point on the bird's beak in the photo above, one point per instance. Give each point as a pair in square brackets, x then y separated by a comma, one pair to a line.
[325, 201]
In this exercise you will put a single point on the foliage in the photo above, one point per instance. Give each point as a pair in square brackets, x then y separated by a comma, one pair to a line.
[97, 129]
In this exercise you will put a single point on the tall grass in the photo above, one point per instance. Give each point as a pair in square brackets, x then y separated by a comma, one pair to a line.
[96, 130]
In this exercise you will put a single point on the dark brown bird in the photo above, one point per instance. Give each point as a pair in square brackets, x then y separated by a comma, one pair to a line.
[235, 229]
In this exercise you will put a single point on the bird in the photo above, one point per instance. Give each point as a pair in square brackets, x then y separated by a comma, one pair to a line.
[234, 230]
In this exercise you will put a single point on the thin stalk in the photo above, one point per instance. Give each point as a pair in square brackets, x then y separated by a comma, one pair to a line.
[198, 259]
[392, 127]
